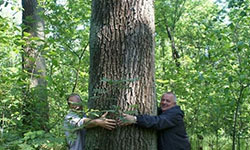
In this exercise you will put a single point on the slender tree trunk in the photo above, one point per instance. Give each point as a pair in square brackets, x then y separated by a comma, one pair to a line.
[122, 70]
[35, 94]
[175, 53]
[236, 115]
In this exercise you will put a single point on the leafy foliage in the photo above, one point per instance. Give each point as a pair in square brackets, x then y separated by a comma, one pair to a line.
[211, 82]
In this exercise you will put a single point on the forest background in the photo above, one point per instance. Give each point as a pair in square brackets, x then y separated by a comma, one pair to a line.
[201, 53]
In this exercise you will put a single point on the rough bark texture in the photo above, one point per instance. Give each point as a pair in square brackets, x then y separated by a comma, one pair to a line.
[122, 70]
[35, 95]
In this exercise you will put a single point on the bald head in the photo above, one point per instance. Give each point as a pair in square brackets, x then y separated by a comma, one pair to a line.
[168, 100]
[174, 96]
[75, 101]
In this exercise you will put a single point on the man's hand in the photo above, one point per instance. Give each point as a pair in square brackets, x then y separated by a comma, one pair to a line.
[127, 120]
[105, 123]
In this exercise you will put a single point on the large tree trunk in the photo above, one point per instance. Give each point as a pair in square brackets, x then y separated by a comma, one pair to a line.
[122, 70]
[35, 94]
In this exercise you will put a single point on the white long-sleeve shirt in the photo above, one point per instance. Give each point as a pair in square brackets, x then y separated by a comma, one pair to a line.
[74, 130]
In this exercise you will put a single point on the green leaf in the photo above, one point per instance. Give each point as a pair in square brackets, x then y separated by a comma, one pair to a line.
[34, 38]
[6, 4]
[230, 79]
[26, 34]
[243, 13]
[130, 112]
[162, 81]
[1, 2]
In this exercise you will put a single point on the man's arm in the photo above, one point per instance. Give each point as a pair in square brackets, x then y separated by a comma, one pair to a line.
[157, 122]
[76, 121]
[101, 122]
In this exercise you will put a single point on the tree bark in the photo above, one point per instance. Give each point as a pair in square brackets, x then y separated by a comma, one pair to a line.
[35, 95]
[122, 71]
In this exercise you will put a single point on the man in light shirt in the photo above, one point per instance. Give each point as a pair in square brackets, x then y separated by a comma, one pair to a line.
[76, 122]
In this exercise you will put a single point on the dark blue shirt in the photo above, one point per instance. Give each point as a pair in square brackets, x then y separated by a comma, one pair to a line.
[170, 126]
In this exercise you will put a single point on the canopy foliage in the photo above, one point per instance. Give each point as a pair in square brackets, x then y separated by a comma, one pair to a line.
[202, 54]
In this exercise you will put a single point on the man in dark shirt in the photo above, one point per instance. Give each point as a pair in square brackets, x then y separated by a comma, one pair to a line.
[169, 124]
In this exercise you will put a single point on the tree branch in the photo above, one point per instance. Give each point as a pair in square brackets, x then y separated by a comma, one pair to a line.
[77, 71]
